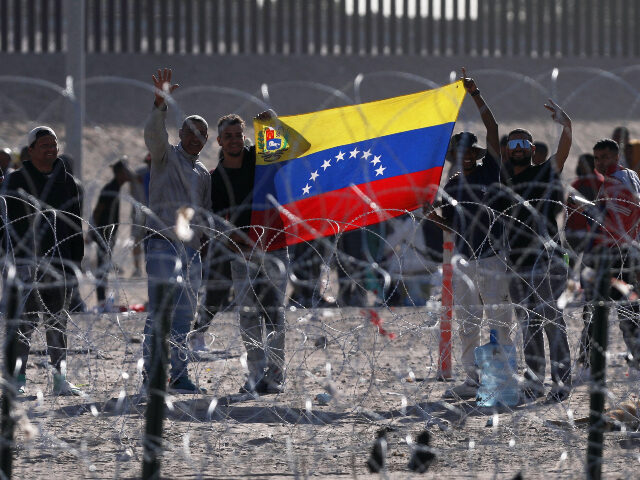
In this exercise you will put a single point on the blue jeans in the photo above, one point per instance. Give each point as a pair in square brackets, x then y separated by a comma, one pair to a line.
[179, 267]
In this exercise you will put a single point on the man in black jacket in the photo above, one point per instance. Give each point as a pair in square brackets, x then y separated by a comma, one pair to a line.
[44, 234]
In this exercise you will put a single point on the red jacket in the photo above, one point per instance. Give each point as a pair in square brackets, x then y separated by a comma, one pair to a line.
[618, 198]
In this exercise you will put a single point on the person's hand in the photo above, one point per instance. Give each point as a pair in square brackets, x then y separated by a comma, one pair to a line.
[163, 86]
[266, 115]
[468, 83]
[557, 114]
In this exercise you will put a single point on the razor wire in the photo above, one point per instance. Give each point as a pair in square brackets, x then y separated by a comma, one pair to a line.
[353, 368]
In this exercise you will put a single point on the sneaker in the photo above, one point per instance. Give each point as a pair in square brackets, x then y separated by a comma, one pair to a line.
[558, 394]
[21, 383]
[466, 390]
[184, 385]
[63, 388]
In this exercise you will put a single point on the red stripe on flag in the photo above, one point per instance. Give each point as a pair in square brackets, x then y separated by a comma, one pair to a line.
[347, 209]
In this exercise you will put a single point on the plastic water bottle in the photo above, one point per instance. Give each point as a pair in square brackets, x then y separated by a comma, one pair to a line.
[109, 304]
[497, 364]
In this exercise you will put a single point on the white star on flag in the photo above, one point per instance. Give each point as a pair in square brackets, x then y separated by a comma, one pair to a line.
[354, 152]
[326, 164]
[366, 154]
[380, 170]
[340, 156]
[376, 159]
[314, 175]
[305, 190]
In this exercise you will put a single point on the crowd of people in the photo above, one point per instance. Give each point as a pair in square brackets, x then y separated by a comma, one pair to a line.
[502, 205]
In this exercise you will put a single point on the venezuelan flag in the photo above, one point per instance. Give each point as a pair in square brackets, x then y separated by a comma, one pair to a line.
[321, 173]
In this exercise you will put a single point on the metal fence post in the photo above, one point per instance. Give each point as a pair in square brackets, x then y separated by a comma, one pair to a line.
[157, 382]
[9, 384]
[598, 343]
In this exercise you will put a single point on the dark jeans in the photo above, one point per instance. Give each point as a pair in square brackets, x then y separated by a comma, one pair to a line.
[49, 296]
[103, 253]
[624, 266]
[534, 293]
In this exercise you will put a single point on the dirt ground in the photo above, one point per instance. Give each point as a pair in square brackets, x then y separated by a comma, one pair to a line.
[374, 381]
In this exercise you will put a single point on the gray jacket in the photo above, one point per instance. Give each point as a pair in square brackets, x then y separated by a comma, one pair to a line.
[177, 180]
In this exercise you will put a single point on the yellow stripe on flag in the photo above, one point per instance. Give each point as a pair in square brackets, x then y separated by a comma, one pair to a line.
[296, 136]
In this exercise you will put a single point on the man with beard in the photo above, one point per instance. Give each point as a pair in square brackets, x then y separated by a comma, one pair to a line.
[479, 274]
[180, 186]
[530, 202]
[259, 276]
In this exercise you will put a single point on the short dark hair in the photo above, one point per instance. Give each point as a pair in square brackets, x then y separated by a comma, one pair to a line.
[231, 119]
[521, 131]
[607, 144]
[194, 119]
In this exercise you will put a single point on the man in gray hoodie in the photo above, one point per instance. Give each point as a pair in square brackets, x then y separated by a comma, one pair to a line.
[179, 199]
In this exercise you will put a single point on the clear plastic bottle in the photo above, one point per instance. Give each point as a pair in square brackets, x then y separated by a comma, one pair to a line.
[498, 366]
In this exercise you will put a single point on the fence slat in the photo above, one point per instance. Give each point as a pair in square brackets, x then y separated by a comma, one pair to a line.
[503, 28]
[189, 25]
[111, 26]
[202, 27]
[177, 27]
[455, 29]
[44, 26]
[355, 29]
[614, 28]
[578, 23]
[405, 29]
[137, 25]
[58, 25]
[215, 25]
[280, 25]
[380, 30]
[393, 29]
[442, 28]
[636, 37]
[602, 21]
[17, 26]
[540, 12]
[368, 28]
[266, 27]
[491, 24]
[553, 29]
[317, 27]
[466, 26]
[124, 25]
[97, 26]
[342, 26]
[565, 28]
[625, 14]
[31, 25]
[4, 26]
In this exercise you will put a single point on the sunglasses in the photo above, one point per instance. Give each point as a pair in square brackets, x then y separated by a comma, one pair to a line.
[522, 143]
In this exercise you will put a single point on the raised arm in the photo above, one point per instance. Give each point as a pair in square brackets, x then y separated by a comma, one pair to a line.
[490, 124]
[564, 144]
[156, 137]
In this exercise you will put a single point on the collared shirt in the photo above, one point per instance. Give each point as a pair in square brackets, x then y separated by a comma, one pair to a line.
[177, 180]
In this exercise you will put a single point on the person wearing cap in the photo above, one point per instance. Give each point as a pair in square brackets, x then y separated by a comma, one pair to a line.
[480, 282]
[44, 236]
[180, 202]
[530, 202]
[105, 221]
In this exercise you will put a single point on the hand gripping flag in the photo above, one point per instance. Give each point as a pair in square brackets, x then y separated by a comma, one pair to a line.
[322, 173]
